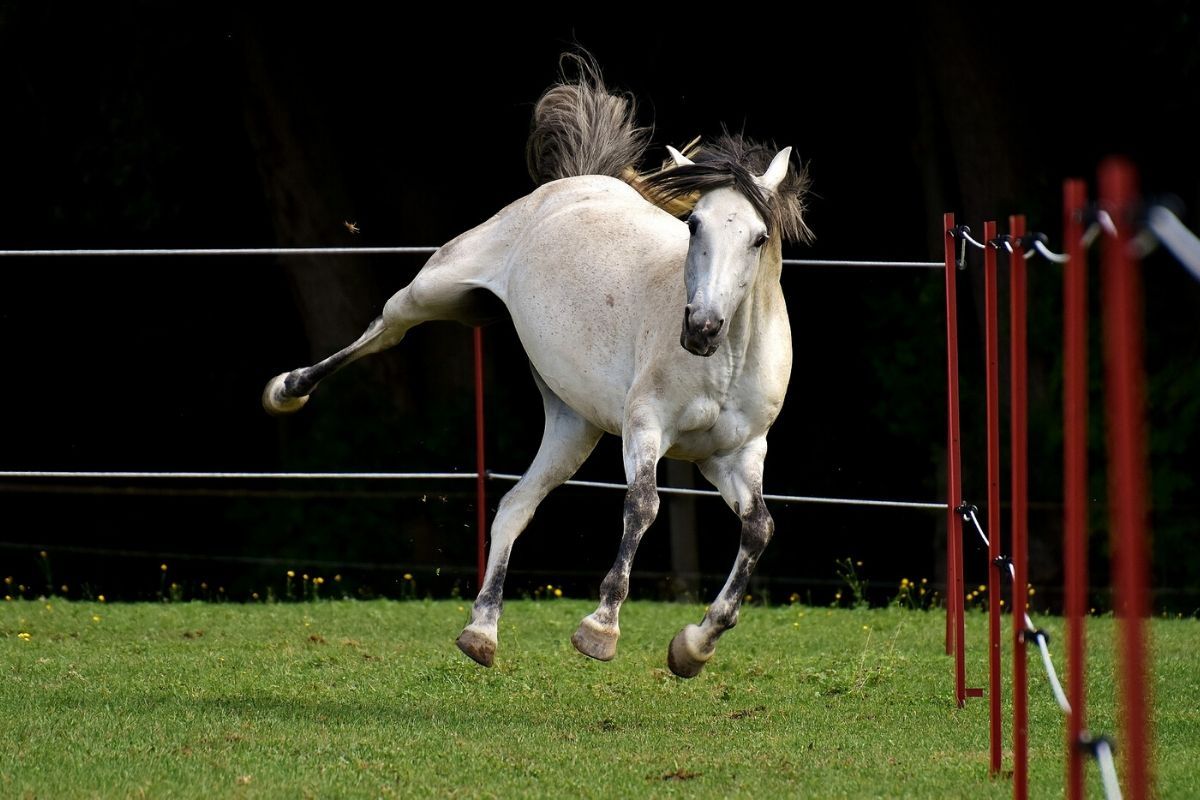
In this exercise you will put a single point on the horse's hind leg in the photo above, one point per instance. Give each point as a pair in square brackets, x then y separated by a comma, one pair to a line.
[289, 391]
[566, 443]
[738, 476]
[445, 289]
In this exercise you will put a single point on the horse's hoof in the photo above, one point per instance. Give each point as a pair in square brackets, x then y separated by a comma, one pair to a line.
[595, 640]
[477, 646]
[275, 399]
[682, 657]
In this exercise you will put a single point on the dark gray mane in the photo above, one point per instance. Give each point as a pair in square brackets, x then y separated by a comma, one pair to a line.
[733, 160]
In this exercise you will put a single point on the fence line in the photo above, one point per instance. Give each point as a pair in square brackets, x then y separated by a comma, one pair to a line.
[379, 476]
[304, 476]
[222, 251]
[366, 251]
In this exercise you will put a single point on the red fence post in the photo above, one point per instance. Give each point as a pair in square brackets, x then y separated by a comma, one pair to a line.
[954, 589]
[992, 336]
[1121, 299]
[949, 254]
[480, 468]
[1075, 474]
[1019, 413]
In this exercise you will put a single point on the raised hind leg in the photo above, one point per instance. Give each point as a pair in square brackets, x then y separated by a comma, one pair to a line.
[566, 443]
[598, 632]
[289, 391]
[738, 476]
[448, 287]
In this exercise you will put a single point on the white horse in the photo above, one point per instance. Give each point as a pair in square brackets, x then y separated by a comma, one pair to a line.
[595, 274]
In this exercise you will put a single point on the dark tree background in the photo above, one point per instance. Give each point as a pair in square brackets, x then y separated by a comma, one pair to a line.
[137, 125]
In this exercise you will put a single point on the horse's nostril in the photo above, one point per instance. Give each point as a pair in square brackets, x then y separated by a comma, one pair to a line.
[720, 324]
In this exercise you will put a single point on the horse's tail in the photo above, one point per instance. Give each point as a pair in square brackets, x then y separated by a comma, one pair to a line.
[582, 128]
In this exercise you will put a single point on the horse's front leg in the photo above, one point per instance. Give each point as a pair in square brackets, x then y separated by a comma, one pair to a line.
[598, 632]
[738, 477]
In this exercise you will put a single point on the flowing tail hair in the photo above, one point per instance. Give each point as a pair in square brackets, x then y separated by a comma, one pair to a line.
[581, 127]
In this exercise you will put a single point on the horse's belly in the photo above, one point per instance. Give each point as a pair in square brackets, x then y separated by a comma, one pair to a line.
[580, 356]
[595, 396]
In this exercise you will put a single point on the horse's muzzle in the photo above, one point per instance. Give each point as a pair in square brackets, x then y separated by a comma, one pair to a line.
[701, 334]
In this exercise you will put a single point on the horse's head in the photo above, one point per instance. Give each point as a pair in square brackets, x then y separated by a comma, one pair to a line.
[736, 213]
[728, 237]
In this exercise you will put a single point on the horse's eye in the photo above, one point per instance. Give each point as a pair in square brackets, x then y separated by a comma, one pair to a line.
[761, 240]
[692, 224]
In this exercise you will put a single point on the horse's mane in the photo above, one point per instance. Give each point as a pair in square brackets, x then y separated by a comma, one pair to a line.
[733, 160]
[580, 127]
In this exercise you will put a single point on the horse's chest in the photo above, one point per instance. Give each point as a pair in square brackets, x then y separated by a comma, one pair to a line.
[708, 425]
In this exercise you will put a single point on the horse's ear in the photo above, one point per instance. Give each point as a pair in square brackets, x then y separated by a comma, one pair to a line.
[679, 158]
[777, 171]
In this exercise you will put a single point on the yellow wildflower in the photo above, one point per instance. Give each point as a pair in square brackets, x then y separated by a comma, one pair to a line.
[408, 576]
[23, 636]
[558, 592]
[291, 573]
[162, 567]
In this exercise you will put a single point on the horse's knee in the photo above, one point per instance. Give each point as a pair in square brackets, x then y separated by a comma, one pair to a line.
[757, 528]
[641, 499]
[641, 504]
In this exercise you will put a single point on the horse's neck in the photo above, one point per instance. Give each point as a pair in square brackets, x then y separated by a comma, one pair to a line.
[763, 300]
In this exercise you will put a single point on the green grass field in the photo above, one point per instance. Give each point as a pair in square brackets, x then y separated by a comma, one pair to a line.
[371, 699]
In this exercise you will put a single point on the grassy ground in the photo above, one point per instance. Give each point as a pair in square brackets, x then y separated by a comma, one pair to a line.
[371, 699]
